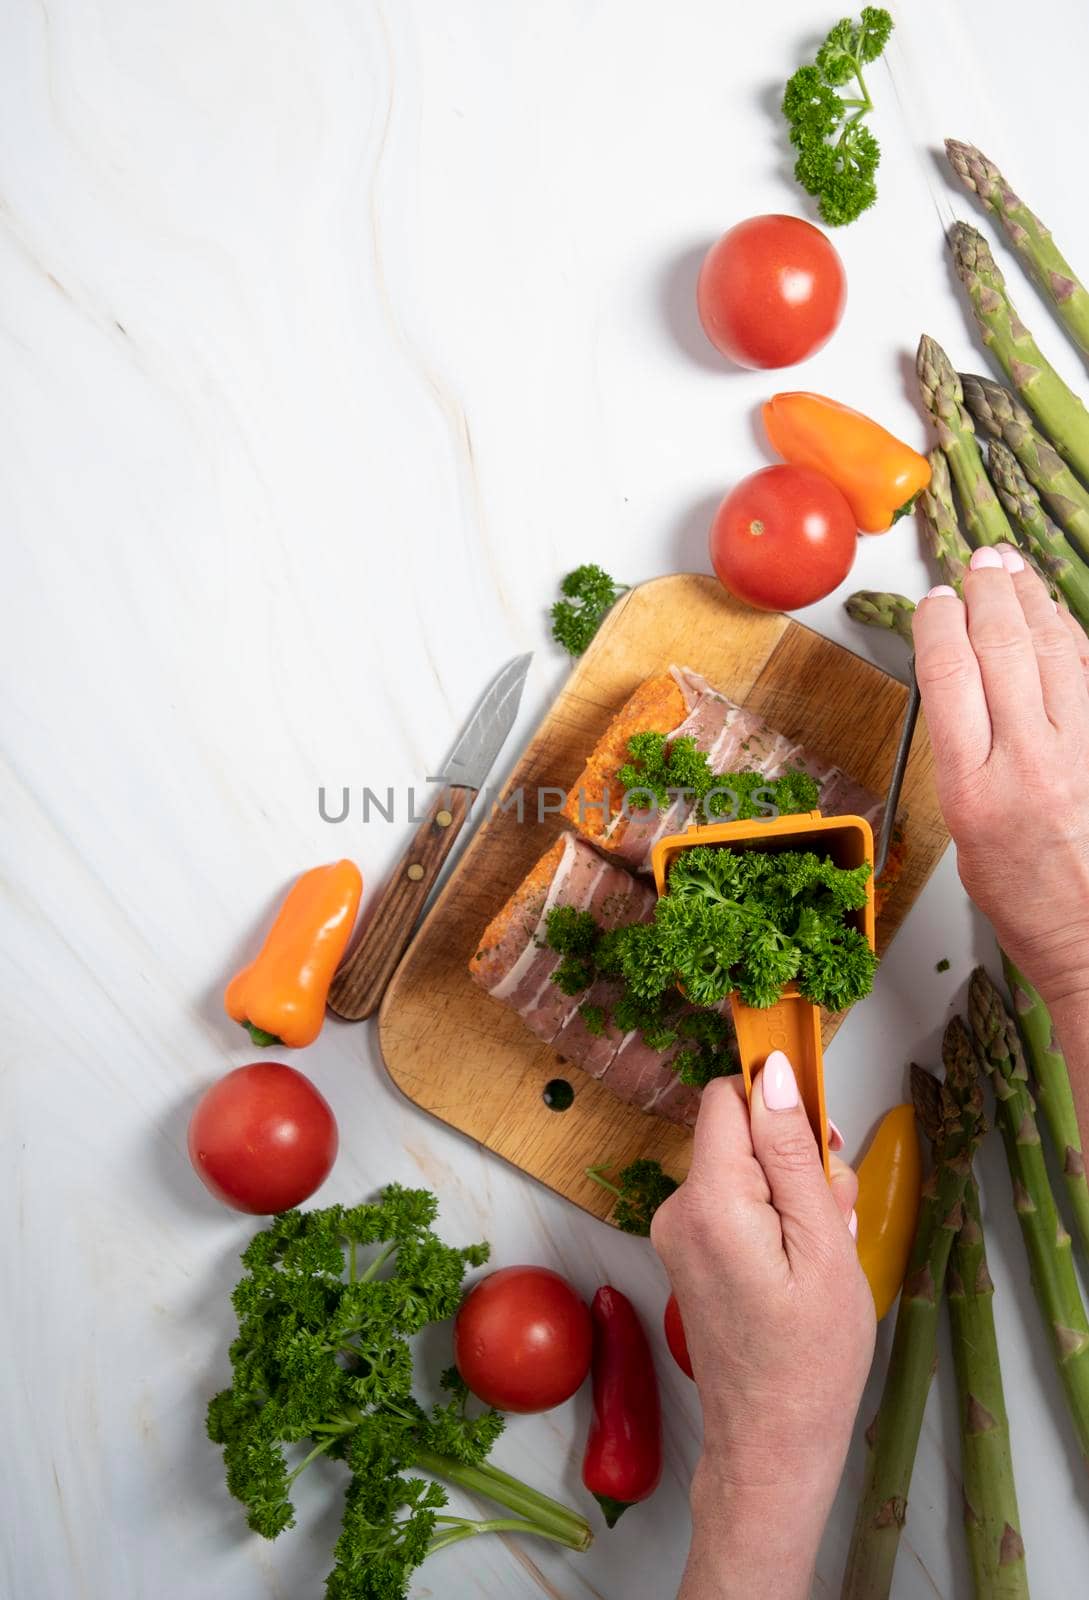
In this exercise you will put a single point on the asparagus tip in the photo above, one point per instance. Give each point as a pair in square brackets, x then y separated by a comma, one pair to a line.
[935, 370]
[972, 255]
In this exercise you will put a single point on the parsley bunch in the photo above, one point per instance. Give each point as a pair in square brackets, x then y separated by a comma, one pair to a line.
[588, 593]
[640, 1188]
[322, 1366]
[664, 768]
[837, 153]
[753, 920]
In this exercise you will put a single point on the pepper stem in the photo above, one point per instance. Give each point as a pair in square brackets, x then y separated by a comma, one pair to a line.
[612, 1509]
[260, 1037]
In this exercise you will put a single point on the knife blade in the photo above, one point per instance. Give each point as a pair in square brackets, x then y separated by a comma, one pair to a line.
[359, 985]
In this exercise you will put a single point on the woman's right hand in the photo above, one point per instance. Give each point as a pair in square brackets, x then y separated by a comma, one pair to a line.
[780, 1326]
[1004, 677]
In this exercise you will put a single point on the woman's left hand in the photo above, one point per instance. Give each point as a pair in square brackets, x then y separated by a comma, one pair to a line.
[780, 1326]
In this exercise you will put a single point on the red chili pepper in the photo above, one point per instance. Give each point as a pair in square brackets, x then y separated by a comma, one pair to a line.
[623, 1462]
[675, 1337]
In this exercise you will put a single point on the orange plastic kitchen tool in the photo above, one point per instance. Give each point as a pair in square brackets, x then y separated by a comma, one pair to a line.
[793, 1024]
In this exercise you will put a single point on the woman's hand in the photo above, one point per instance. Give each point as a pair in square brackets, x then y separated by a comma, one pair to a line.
[780, 1326]
[1004, 685]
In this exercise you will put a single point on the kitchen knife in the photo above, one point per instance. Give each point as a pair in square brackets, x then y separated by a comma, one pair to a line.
[360, 984]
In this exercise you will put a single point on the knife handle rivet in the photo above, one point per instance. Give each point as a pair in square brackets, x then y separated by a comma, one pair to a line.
[415, 872]
[444, 818]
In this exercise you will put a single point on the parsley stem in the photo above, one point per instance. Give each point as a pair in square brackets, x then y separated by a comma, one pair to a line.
[549, 1519]
[867, 103]
[377, 1264]
[468, 1530]
[597, 1175]
[317, 1451]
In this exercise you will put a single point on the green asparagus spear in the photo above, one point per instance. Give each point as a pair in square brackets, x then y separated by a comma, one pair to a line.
[992, 1524]
[1059, 411]
[984, 519]
[1055, 556]
[877, 610]
[1045, 575]
[1000, 415]
[951, 1114]
[1052, 1084]
[1046, 1240]
[1027, 234]
[937, 517]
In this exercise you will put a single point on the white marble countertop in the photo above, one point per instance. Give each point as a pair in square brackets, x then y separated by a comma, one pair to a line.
[334, 332]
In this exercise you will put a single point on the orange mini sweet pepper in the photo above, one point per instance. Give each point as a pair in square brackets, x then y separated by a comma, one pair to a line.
[280, 997]
[890, 1181]
[877, 474]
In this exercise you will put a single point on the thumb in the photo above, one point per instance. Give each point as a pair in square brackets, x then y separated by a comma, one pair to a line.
[784, 1145]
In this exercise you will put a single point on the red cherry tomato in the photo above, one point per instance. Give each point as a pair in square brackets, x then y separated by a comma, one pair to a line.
[782, 538]
[523, 1339]
[675, 1339]
[262, 1139]
[771, 291]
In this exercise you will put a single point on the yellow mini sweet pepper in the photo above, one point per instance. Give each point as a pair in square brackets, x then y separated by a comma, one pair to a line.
[280, 997]
[890, 1178]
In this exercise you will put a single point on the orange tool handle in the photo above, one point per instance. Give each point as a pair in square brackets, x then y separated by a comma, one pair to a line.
[793, 1025]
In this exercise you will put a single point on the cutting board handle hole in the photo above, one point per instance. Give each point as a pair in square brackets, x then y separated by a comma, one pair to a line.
[558, 1095]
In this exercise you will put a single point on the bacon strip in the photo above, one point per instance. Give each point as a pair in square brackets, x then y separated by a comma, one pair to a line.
[734, 739]
[515, 965]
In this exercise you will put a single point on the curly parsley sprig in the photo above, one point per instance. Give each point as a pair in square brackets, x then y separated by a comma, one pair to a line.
[588, 593]
[322, 1366]
[706, 1046]
[748, 921]
[659, 769]
[640, 1188]
[755, 921]
[837, 153]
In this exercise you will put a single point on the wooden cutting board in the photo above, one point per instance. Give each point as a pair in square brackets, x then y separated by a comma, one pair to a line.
[469, 1060]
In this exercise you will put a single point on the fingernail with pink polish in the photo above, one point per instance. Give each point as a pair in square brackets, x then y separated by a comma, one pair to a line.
[1011, 558]
[778, 1083]
[986, 557]
[941, 591]
[852, 1224]
[836, 1140]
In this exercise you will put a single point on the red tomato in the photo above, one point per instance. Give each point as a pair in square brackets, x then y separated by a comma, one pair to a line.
[522, 1339]
[675, 1339]
[262, 1139]
[782, 538]
[771, 291]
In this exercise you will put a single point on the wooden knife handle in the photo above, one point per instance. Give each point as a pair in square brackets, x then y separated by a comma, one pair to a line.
[358, 987]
